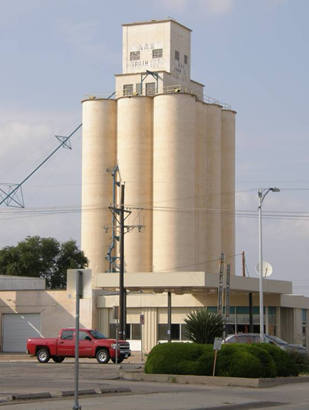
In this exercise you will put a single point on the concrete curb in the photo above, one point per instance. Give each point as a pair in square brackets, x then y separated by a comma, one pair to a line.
[30, 396]
[139, 375]
[66, 393]
[83, 392]
[245, 406]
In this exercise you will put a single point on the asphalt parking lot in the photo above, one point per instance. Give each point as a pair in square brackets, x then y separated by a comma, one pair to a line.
[36, 377]
[24, 375]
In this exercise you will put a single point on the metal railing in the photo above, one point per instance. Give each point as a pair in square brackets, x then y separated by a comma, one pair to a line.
[169, 89]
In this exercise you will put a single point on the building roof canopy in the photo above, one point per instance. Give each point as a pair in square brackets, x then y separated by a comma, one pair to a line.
[184, 282]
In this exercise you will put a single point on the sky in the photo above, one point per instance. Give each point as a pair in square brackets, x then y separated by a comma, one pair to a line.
[248, 53]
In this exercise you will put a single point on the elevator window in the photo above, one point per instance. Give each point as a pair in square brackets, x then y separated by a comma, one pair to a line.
[150, 88]
[134, 55]
[138, 88]
[157, 53]
[127, 89]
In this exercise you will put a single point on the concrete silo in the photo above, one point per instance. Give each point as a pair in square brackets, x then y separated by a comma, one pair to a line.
[98, 158]
[228, 187]
[174, 145]
[134, 152]
[213, 187]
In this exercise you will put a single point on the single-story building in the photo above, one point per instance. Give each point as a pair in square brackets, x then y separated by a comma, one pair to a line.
[27, 309]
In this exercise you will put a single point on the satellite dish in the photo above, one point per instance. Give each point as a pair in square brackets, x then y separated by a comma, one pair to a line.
[267, 269]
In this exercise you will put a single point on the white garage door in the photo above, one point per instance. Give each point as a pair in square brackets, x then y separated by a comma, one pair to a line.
[17, 328]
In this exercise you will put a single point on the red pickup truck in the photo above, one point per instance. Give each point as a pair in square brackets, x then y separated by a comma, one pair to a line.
[91, 344]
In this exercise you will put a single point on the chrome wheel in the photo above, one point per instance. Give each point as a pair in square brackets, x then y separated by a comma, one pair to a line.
[102, 356]
[43, 355]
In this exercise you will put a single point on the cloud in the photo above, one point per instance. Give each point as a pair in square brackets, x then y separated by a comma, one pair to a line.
[14, 10]
[17, 138]
[278, 2]
[218, 6]
[26, 139]
[86, 38]
[200, 6]
[175, 5]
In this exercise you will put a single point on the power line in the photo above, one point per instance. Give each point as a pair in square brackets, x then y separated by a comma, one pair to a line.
[286, 215]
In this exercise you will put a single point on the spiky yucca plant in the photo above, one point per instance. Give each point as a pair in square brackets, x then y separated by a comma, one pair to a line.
[202, 326]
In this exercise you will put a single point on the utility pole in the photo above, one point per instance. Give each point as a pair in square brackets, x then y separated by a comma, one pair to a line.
[243, 260]
[227, 297]
[220, 288]
[122, 326]
[262, 192]
[120, 214]
[79, 294]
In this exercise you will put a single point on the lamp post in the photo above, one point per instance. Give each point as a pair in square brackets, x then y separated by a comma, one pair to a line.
[262, 192]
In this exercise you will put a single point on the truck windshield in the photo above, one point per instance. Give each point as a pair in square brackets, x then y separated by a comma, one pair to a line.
[97, 335]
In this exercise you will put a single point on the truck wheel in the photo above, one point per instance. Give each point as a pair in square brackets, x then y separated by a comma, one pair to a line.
[43, 355]
[58, 359]
[102, 356]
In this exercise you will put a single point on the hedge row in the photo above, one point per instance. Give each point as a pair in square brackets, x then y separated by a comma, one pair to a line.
[233, 360]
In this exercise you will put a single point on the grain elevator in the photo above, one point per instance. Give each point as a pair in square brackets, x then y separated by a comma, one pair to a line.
[175, 151]
[173, 148]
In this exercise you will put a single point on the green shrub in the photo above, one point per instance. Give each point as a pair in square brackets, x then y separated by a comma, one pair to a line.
[202, 326]
[169, 358]
[285, 364]
[269, 368]
[204, 366]
[233, 360]
[299, 360]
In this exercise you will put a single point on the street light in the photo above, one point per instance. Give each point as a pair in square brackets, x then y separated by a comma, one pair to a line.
[262, 192]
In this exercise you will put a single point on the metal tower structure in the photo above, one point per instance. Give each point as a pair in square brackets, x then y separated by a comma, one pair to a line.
[11, 194]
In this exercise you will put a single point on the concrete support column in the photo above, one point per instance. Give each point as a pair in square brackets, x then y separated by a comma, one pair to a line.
[298, 327]
[278, 322]
[307, 329]
[149, 336]
[266, 320]
[103, 321]
[169, 316]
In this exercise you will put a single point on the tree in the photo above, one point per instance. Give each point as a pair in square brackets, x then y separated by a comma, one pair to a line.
[202, 326]
[42, 258]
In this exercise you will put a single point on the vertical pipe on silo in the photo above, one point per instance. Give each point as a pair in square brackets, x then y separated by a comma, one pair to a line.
[201, 215]
[174, 182]
[213, 186]
[134, 152]
[98, 158]
[228, 187]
